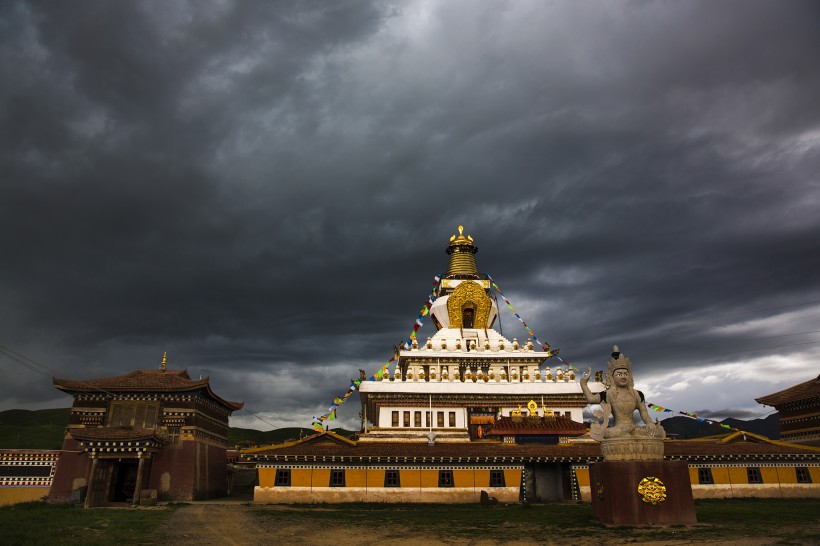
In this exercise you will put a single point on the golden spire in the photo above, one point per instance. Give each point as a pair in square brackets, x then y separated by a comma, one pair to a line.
[164, 362]
[462, 260]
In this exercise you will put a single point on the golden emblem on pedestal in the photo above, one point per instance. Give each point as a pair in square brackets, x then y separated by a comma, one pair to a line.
[652, 490]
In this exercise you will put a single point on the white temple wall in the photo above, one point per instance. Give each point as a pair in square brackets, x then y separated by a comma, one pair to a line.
[417, 417]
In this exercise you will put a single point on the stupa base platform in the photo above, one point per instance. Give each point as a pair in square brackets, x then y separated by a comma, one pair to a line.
[642, 493]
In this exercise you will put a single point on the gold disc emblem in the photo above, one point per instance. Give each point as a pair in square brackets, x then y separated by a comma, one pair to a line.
[652, 490]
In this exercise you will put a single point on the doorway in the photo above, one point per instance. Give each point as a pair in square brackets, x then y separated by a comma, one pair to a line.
[124, 480]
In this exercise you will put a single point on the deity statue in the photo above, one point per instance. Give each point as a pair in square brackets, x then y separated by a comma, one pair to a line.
[620, 399]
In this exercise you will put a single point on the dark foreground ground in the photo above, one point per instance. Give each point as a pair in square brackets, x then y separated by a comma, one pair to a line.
[738, 522]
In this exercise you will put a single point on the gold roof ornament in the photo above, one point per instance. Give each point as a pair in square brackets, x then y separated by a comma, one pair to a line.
[461, 239]
[164, 363]
[462, 260]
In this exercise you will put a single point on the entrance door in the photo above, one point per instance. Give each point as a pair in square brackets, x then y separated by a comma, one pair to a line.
[100, 482]
[547, 483]
[124, 481]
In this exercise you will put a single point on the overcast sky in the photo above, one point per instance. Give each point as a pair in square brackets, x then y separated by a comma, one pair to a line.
[265, 189]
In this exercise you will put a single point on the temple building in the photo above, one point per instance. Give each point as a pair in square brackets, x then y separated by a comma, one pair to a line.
[149, 433]
[454, 387]
[26, 474]
[468, 414]
[798, 409]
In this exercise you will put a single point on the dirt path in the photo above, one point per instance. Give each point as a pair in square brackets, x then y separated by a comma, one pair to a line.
[240, 523]
[202, 523]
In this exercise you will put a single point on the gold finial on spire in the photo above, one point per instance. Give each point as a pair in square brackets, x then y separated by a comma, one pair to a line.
[462, 262]
[162, 365]
[461, 239]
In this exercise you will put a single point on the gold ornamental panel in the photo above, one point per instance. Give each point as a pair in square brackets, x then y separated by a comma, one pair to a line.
[469, 292]
[652, 490]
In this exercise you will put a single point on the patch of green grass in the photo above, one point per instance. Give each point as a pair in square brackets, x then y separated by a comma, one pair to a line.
[37, 523]
[784, 521]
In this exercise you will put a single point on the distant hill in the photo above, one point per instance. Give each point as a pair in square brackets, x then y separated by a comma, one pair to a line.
[247, 436]
[685, 428]
[38, 429]
[45, 429]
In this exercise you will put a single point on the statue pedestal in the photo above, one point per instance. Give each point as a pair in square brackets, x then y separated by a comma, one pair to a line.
[616, 499]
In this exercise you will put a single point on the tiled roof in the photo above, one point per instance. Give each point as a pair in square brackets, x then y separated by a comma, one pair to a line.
[144, 381]
[496, 452]
[537, 426]
[801, 391]
[115, 433]
[420, 452]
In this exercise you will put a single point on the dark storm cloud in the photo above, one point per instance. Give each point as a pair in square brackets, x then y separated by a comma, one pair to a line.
[266, 189]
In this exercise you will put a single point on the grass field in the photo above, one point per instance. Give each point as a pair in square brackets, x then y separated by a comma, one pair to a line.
[38, 523]
[795, 521]
[753, 521]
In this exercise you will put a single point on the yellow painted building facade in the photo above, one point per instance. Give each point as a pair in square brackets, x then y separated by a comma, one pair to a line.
[26, 475]
[730, 480]
[313, 484]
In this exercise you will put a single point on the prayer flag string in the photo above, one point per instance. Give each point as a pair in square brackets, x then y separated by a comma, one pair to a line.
[545, 346]
[318, 422]
[695, 416]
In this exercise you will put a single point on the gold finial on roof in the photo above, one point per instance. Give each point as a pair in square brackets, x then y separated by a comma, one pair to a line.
[461, 239]
[462, 262]
[162, 365]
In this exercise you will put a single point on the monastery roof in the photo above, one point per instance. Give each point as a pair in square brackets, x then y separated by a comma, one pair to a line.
[115, 433]
[322, 447]
[537, 426]
[145, 381]
[802, 391]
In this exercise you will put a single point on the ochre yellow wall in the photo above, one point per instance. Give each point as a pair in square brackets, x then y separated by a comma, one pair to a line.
[785, 475]
[814, 472]
[482, 478]
[375, 477]
[769, 474]
[267, 476]
[462, 478]
[299, 477]
[693, 476]
[320, 477]
[736, 475]
[356, 477]
[411, 478]
[512, 478]
[429, 478]
[581, 475]
[13, 495]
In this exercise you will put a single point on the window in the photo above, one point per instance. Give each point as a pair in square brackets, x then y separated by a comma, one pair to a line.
[497, 478]
[417, 419]
[452, 418]
[337, 478]
[568, 414]
[133, 413]
[282, 477]
[803, 475]
[395, 418]
[407, 418]
[440, 419]
[427, 421]
[445, 478]
[391, 478]
[173, 435]
[705, 476]
[753, 473]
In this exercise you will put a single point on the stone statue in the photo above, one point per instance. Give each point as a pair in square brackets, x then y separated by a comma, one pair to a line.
[620, 399]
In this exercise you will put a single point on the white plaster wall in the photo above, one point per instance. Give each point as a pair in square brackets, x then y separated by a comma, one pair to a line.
[386, 416]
